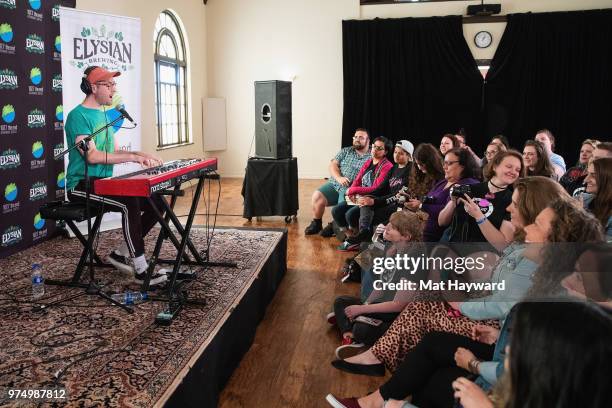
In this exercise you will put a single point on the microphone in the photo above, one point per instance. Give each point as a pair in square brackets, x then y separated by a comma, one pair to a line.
[122, 111]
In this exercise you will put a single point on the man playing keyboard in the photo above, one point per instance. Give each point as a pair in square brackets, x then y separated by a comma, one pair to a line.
[138, 217]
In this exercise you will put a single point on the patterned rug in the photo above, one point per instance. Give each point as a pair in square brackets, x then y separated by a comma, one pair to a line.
[100, 354]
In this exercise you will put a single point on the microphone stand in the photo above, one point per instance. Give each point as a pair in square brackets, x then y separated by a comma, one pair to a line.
[91, 288]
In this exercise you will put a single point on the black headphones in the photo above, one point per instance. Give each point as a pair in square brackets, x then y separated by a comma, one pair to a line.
[85, 85]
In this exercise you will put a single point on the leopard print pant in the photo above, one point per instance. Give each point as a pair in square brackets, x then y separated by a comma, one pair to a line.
[416, 320]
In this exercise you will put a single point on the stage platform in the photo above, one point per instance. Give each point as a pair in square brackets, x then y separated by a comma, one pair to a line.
[103, 356]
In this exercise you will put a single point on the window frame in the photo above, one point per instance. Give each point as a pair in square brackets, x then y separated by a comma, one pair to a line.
[179, 65]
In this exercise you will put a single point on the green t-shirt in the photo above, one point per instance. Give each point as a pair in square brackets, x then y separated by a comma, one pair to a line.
[85, 121]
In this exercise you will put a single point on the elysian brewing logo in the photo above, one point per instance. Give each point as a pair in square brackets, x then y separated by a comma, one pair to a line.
[32, 14]
[38, 191]
[10, 196]
[35, 44]
[37, 151]
[55, 13]
[36, 118]
[8, 117]
[8, 4]
[8, 79]
[11, 236]
[57, 83]
[57, 49]
[36, 78]
[39, 226]
[6, 36]
[58, 149]
[104, 47]
[58, 124]
[9, 159]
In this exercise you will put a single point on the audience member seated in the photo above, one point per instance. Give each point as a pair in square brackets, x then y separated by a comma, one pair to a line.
[564, 225]
[547, 139]
[574, 177]
[459, 168]
[536, 160]
[343, 168]
[492, 150]
[440, 358]
[377, 207]
[481, 215]
[604, 149]
[547, 359]
[461, 138]
[448, 142]
[403, 229]
[502, 140]
[598, 196]
[498, 139]
[420, 317]
[591, 279]
[370, 177]
[426, 172]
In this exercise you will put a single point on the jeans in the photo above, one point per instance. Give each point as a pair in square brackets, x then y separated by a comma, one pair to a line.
[346, 215]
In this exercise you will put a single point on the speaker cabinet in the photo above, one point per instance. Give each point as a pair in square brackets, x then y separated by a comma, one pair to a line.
[273, 119]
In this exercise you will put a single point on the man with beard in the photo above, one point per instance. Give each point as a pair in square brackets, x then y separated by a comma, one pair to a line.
[343, 168]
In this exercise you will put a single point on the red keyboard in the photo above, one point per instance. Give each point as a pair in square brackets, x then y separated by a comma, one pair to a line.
[145, 182]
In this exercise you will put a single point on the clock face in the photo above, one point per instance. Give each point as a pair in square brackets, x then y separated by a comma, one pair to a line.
[483, 39]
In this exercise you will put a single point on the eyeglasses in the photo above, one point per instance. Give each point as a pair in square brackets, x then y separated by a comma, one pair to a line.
[379, 148]
[359, 137]
[109, 85]
[449, 163]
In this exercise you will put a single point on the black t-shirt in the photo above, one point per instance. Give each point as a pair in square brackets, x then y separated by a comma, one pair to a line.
[493, 206]
[395, 180]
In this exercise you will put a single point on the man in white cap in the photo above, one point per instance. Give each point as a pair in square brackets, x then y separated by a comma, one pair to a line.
[99, 86]
[378, 206]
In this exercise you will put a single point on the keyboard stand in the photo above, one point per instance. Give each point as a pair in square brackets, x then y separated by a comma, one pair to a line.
[176, 296]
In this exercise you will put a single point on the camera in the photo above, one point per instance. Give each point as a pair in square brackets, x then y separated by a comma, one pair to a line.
[460, 190]
[427, 199]
[400, 197]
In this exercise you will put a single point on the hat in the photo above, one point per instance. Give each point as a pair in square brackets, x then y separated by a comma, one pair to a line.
[100, 74]
[406, 145]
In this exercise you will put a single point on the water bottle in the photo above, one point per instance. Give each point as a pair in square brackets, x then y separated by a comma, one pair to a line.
[38, 282]
[130, 298]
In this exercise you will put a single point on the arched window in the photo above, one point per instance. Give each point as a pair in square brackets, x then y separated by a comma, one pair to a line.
[170, 82]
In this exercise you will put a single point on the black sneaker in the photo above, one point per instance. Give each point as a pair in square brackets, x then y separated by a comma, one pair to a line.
[120, 262]
[328, 231]
[156, 279]
[314, 227]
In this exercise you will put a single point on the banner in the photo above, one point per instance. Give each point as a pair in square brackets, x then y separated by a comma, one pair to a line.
[111, 42]
[31, 122]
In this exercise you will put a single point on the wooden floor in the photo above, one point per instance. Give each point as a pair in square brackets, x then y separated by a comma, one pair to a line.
[288, 364]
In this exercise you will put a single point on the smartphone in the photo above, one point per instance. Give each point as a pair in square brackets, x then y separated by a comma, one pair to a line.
[368, 320]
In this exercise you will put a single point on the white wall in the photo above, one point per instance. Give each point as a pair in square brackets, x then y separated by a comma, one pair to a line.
[280, 39]
[192, 14]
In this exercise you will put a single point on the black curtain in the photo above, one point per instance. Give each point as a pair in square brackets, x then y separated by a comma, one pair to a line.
[553, 70]
[410, 78]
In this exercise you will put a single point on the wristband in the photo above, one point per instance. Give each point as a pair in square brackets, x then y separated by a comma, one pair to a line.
[480, 221]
